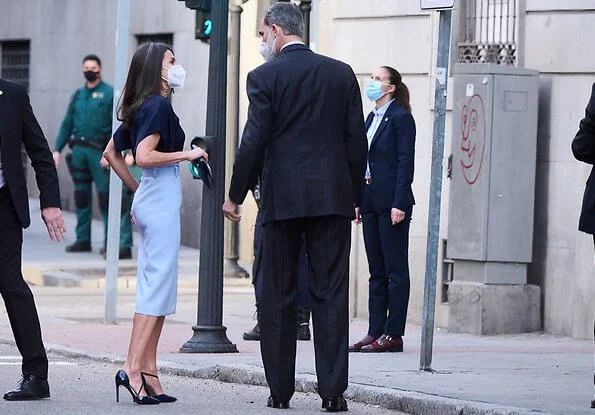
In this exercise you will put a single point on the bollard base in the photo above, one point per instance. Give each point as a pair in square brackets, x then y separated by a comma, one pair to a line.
[209, 339]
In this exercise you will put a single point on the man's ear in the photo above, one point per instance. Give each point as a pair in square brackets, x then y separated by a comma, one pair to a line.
[277, 30]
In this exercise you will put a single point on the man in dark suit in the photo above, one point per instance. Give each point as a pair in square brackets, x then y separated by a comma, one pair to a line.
[305, 129]
[583, 148]
[18, 126]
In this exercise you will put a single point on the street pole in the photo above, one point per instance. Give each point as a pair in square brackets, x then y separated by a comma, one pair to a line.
[115, 184]
[209, 333]
[230, 258]
[428, 314]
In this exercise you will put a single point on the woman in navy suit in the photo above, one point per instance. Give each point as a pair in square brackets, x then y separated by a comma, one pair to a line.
[385, 210]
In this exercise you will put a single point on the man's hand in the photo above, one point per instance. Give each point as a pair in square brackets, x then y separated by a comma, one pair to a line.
[129, 159]
[52, 216]
[358, 216]
[396, 216]
[56, 156]
[230, 210]
[103, 162]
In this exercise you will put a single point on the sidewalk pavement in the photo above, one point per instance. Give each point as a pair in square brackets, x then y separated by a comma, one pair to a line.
[507, 374]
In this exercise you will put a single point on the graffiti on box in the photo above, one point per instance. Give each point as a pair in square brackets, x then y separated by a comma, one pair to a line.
[473, 138]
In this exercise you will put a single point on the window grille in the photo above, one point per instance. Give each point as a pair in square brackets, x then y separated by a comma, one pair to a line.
[490, 32]
[167, 38]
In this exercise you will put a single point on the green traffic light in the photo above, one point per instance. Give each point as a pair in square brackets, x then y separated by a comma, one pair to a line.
[208, 27]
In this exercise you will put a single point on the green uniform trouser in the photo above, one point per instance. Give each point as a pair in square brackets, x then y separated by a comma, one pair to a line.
[85, 169]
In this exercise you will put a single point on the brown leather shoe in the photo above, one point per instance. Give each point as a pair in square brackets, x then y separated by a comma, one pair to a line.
[357, 346]
[385, 343]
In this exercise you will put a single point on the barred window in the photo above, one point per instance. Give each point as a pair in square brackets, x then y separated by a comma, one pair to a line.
[16, 56]
[489, 32]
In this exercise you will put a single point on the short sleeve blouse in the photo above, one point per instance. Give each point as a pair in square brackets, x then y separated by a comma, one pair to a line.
[155, 115]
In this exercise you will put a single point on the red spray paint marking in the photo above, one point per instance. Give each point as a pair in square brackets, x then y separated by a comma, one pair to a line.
[473, 138]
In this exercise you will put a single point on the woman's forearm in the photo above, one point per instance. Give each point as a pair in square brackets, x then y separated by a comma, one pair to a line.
[154, 158]
[117, 163]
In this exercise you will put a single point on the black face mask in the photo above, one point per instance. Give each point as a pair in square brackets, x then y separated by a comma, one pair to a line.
[91, 76]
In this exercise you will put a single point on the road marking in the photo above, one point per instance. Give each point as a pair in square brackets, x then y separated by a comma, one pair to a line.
[10, 357]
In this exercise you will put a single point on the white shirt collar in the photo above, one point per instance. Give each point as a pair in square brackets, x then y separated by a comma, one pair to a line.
[295, 42]
[379, 112]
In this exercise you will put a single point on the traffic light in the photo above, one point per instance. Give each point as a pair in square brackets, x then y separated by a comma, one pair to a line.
[204, 26]
[204, 5]
[204, 23]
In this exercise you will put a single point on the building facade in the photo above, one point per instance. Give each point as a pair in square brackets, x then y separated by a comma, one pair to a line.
[42, 43]
[549, 36]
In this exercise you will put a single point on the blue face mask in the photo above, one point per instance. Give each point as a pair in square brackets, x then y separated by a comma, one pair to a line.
[374, 90]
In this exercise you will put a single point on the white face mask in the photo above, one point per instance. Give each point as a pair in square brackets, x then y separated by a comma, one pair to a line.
[176, 76]
[268, 51]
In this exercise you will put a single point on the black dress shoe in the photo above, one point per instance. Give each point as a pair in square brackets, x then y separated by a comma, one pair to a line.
[30, 388]
[79, 246]
[303, 332]
[334, 404]
[273, 403]
[124, 253]
[253, 334]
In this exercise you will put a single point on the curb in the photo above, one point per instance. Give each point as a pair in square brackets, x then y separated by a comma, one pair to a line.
[415, 403]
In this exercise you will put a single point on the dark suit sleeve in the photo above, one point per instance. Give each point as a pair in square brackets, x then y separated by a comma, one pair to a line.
[40, 155]
[405, 136]
[256, 136]
[583, 145]
[356, 142]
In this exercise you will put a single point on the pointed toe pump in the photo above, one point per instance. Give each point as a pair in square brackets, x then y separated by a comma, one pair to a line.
[122, 379]
[163, 398]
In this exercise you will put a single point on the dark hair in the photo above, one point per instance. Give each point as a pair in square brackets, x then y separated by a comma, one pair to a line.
[92, 58]
[287, 16]
[144, 79]
[401, 95]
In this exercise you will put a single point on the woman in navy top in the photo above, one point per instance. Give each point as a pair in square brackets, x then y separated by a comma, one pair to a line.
[152, 130]
[386, 206]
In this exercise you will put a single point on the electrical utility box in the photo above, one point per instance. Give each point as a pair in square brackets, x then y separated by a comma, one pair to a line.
[494, 142]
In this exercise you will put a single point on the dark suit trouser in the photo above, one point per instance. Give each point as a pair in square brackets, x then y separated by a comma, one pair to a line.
[17, 296]
[328, 241]
[387, 250]
[303, 299]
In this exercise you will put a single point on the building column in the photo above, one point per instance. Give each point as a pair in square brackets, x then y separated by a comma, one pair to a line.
[230, 249]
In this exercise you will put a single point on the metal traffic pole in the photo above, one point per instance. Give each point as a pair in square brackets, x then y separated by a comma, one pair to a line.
[209, 333]
[115, 184]
[427, 328]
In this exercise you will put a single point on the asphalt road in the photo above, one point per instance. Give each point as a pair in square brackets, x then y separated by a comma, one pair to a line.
[85, 387]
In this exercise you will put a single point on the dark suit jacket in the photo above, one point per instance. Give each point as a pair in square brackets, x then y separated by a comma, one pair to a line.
[18, 126]
[583, 148]
[305, 129]
[390, 157]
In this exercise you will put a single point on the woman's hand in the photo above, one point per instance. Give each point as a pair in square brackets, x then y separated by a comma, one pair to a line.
[103, 162]
[196, 153]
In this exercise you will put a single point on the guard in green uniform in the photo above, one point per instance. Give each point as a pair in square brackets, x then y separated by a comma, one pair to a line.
[86, 128]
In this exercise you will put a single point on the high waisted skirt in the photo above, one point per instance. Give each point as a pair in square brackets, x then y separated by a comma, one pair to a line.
[156, 209]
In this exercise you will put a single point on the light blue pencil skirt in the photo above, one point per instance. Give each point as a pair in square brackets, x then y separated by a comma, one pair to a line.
[156, 209]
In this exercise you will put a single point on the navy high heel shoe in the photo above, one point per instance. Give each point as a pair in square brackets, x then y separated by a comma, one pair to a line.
[161, 398]
[122, 379]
